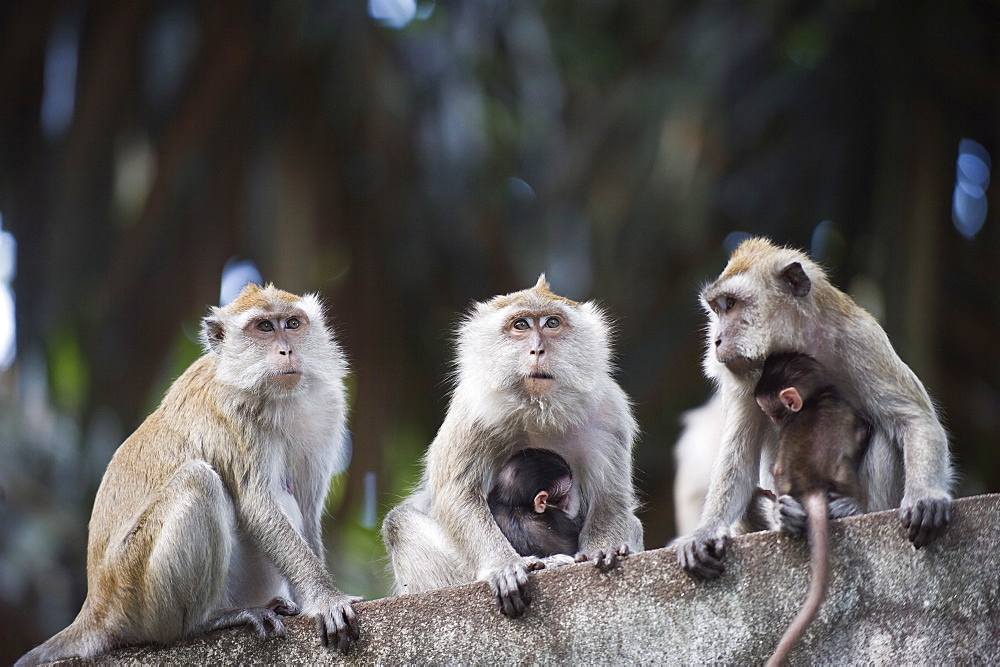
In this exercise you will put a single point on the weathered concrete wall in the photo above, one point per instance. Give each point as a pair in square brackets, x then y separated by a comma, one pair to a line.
[887, 603]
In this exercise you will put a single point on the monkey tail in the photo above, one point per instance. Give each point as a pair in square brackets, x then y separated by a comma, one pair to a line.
[82, 639]
[819, 541]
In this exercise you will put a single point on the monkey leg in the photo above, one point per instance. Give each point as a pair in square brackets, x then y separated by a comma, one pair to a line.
[165, 577]
[422, 556]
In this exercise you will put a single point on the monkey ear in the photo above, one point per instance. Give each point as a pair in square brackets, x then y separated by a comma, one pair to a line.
[797, 280]
[791, 399]
[212, 332]
[541, 500]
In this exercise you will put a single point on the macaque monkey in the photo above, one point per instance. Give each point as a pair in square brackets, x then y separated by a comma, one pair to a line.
[529, 502]
[209, 514]
[771, 299]
[819, 439]
[533, 371]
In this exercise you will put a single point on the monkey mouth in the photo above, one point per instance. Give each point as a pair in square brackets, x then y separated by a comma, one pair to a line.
[540, 376]
[287, 379]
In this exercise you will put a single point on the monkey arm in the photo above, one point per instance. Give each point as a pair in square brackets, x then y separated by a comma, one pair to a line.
[904, 424]
[269, 528]
[736, 470]
[458, 462]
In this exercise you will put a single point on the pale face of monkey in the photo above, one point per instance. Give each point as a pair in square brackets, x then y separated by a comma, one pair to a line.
[279, 337]
[532, 355]
[537, 335]
[270, 341]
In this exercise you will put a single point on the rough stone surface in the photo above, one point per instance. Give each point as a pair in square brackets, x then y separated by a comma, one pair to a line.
[887, 603]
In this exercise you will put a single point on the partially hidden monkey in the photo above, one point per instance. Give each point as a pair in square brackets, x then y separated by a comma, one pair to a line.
[209, 514]
[771, 299]
[533, 371]
[529, 500]
[819, 439]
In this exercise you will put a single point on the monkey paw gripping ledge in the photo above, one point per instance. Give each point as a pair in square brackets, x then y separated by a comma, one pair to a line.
[887, 603]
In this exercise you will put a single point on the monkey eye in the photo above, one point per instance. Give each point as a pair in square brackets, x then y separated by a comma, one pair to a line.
[292, 323]
[521, 324]
[552, 323]
[265, 325]
[725, 303]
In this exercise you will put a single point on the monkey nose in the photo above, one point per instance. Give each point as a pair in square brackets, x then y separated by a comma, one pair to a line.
[718, 342]
[539, 352]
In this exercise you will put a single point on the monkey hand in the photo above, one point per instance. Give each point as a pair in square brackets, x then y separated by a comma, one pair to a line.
[604, 559]
[789, 515]
[509, 584]
[925, 519]
[701, 553]
[335, 619]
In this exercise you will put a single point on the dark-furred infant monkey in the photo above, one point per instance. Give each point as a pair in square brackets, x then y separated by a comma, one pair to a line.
[529, 502]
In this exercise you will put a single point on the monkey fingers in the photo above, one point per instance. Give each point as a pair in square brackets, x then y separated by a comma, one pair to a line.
[604, 559]
[925, 520]
[701, 557]
[338, 625]
[264, 620]
[533, 563]
[790, 516]
[283, 607]
[509, 584]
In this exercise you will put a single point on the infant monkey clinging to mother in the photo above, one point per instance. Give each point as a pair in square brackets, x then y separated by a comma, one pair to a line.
[769, 300]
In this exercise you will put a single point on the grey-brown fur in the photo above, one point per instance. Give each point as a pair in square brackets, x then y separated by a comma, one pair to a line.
[771, 299]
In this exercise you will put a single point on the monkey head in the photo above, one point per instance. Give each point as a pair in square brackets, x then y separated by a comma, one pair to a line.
[533, 351]
[269, 341]
[761, 303]
[786, 382]
[535, 479]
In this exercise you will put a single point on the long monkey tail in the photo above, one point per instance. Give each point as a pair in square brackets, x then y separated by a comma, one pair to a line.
[819, 540]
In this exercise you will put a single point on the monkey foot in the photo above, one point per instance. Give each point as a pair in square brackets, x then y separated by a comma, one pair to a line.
[264, 620]
[790, 516]
[604, 559]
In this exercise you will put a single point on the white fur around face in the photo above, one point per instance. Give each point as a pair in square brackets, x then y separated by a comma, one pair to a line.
[241, 363]
[492, 366]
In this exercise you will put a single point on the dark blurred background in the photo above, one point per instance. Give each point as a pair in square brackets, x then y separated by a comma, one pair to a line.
[404, 159]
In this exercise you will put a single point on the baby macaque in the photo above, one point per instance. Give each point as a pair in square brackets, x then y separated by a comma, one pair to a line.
[819, 442]
[529, 502]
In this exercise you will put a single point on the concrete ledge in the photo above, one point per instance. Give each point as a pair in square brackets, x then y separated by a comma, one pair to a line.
[888, 603]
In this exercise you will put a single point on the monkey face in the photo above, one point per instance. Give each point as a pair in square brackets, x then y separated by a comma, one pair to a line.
[270, 341]
[278, 338]
[534, 353]
[759, 304]
[538, 336]
[735, 336]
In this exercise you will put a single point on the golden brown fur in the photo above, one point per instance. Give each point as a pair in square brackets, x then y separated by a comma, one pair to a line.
[209, 514]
